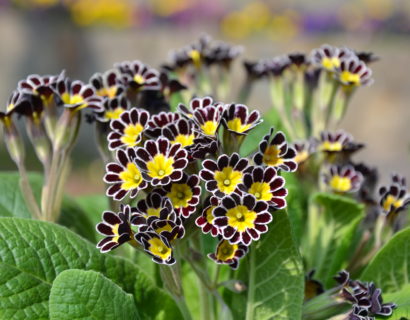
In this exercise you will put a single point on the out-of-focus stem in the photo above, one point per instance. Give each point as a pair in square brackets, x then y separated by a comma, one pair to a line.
[28, 192]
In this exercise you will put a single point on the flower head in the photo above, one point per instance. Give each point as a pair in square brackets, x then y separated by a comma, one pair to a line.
[180, 132]
[184, 194]
[224, 175]
[277, 65]
[207, 119]
[116, 227]
[167, 228]
[354, 72]
[304, 149]
[154, 206]
[158, 122]
[222, 53]
[237, 119]
[124, 176]
[274, 151]
[337, 141]
[228, 253]
[298, 61]
[113, 108]
[156, 246]
[194, 104]
[128, 129]
[265, 185]
[161, 162]
[242, 219]
[40, 86]
[206, 220]
[170, 86]
[139, 76]
[107, 85]
[204, 146]
[343, 179]
[76, 95]
[395, 197]
[329, 58]
[256, 69]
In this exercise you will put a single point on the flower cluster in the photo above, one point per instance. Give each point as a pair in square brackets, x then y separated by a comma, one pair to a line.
[366, 298]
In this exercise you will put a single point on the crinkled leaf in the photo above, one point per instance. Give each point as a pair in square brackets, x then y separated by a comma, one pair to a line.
[273, 274]
[390, 268]
[331, 234]
[33, 253]
[79, 294]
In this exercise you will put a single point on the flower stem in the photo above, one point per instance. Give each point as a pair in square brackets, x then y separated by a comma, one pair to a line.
[28, 192]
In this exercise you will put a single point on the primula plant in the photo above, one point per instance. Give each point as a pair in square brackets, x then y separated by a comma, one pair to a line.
[214, 209]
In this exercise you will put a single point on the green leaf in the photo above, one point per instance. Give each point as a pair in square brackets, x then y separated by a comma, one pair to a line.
[390, 268]
[93, 206]
[273, 274]
[401, 299]
[332, 231]
[33, 253]
[12, 203]
[79, 294]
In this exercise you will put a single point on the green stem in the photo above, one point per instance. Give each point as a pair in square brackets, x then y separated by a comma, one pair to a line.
[28, 192]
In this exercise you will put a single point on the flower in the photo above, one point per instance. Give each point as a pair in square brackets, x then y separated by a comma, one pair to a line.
[276, 153]
[41, 86]
[342, 179]
[108, 85]
[127, 130]
[298, 60]
[161, 162]
[159, 121]
[154, 206]
[139, 76]
[156, 246]
[206, 220]
[124, 175]
[203, 146]
[222, 53]
[184, 194]
[180, 132]
[256, 69]
[113, 108]
[265, 185]
[116, 227]
[337, 141]
[195, 103]
[208, 119]
[76, 95]
[329, 58]
[227, 253]
[242, 219]
[170, 86]
[238, 120]
[367, 57]
[354, 72]
[304, 149]
[277, 65]
[223, 176]
[169, 229]
[394, 198]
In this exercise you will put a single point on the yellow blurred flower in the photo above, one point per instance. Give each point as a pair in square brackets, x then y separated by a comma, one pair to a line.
[169, 7]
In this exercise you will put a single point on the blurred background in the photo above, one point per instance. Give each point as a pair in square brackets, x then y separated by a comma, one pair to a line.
[86, 36]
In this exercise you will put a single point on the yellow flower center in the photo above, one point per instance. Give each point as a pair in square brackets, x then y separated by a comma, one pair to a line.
[195, 55]
[209, 128]
[114, 114]
[331, 146]
[75, 99]
[228, 179]
[153, 212]
[301, 156]
[116, 234]
[349, 77]
[391, 201]
[237, 126]
[226, 251]
[131, 177]
[10, 107]
[131, 134]
[158, 248]
[184, 140]
[160, 166]
[271, 156]
[241, 218]
[110, 92]
[340, 184]
[139, 79]
[209, 215]
[261, 191]
[180, 195]
[167, 227]
[330, 63]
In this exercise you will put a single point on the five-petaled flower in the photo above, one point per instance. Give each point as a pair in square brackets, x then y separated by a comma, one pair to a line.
[223, 176]
[274, 151]
[238, 120]
[329, 57]
[113, 108]
[353, 72]
[107, 85]
[194, 104]
[265, 185]
[161, 162]
[127, 130]
[154, 206]
[180, 132]
[206, 220]
[156, 246]
[395, 197]
[229, 253]
[343, 179]
[207, 119]
[41, 86]
[337, 142]
[242, 218]
[116, 227]
[139, 76]
[124, 176]
[159, 121]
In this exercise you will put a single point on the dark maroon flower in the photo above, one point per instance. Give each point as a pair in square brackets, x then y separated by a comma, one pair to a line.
[208, 118]
[237, 119]
[342, 179]
[158, 122]
[107, 85]
[157, 246]
[139, 76]
[206, 220]
[228, 253]
[194, 104]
